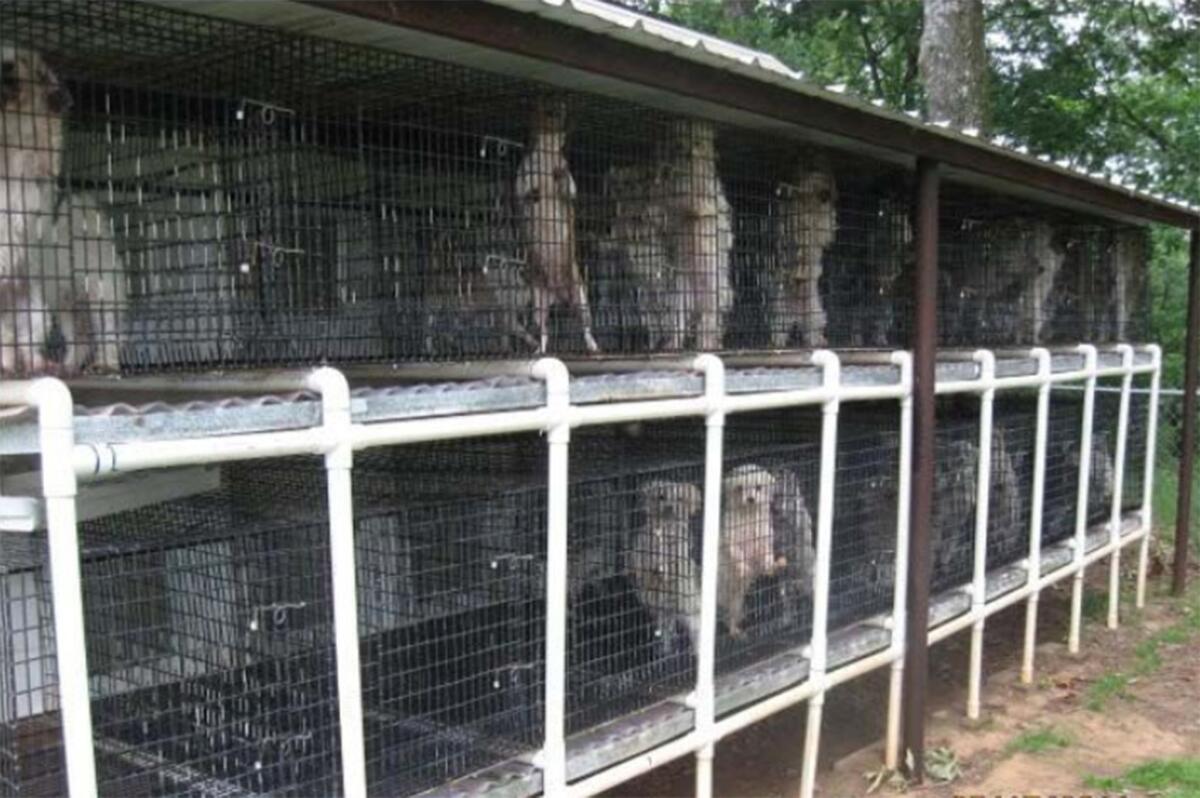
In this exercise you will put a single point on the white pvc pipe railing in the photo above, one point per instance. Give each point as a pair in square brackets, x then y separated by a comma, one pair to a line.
[338, 437]
[334, 391]
[983, 484]
[1148, 480]
[818, 655]
[900, 588]
[1081, 502]
[706, 694]
[1037, 504]
[56, 441]
[1114, 520]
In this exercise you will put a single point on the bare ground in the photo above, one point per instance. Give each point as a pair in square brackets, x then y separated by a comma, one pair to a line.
[1154, 712]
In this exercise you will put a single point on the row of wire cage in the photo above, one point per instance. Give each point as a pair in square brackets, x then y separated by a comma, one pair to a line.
[184, 193]
[209, 625]
[181, 193]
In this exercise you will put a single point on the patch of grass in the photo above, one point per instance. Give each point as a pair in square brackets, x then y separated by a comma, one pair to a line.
[1037, 741]
[1095, 605]
[1106, 688]
[1170, 778]
[1175, 635]
[1147, 656]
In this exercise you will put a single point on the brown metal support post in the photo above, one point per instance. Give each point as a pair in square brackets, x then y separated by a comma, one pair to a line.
[1187, 456]
[924, 345]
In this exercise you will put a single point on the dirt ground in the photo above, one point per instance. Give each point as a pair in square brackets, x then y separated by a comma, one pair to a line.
[1130, 696]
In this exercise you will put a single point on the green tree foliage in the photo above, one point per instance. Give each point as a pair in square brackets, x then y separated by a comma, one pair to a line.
[1111, 85]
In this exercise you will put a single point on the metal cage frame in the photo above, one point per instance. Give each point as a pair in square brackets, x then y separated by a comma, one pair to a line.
[337, 437]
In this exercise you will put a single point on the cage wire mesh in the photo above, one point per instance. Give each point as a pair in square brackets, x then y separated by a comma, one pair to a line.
[209, 648]
[189, 193]
[1133, 480]
[1105, 422]
[1012, 271]
[1063, 441]
[1014, 432]
[956, 474]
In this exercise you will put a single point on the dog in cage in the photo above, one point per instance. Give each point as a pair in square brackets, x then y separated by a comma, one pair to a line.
[794, 538]
[890, 281]
[1010, 295]
[1125, 297]
[1007, 526]
[53, 319]
[32, 105]
[1102, 476]
[637, 243]
[748, 550]
[700, 233]
[84, 322]
[952, 536]
[660, 563]
[805, 227]
[545, 195]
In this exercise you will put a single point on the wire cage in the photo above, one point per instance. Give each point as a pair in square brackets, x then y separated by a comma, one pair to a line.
[187, 193]
[1009, 499]
[1014, 272]
[209, 654]
[210, 641]
[1105, 430]
[956, 469]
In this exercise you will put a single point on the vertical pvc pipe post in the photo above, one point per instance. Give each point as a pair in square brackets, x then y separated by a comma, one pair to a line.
[1148, 481]
[1079, 543]
[983, 486]
[705, 700]
[891, 751]
[819, 649]
[334, 391]
[553, 757]
[1114, 519]
[916, 666]
[1187, 454]
[56, 442]
[1033, 569]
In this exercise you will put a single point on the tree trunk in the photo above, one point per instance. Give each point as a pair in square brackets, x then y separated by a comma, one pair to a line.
[953, 63]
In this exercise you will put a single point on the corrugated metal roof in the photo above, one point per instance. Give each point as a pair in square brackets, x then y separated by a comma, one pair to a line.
[622, 23]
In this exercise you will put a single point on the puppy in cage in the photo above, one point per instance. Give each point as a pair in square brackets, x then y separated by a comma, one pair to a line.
[545, 194]
[660, 563]
[700, 235]
[805, 227]
[748, 550]
[52, 319]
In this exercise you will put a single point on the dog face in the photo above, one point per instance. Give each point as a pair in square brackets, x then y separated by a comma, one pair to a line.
[810, 203]
[550, 116]
[32, 103]
[749, 486]
[674, 502]
[693, 141]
